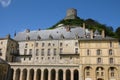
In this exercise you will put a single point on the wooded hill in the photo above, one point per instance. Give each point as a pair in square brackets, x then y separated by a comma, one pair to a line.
[90, 24]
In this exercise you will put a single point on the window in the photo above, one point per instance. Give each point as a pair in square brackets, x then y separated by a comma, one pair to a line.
[27, 38]
[110, 52]
[61, 44]
[24, 59]
[1, 42]
[48, 52]
[0, 52]
[37, 52]
[87, 73]
[30, 51]
[29, 58]
[76, 43]
[38, 38]
[76, 50]
[49, 44]
[110, 44]
[43, 44]
[99, 60]
[112, 74]
[42, 52]
[54, 51]
[98, 52]
[111, 60]
[25, 51]
[36, 44]
[26, 45]
[88, 52]
[102, 74]
[61, 50]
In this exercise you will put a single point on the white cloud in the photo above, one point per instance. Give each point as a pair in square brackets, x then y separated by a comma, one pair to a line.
[5, 3]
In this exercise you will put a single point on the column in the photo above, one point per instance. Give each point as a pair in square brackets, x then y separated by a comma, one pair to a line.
[42, 75]
[14, 75]
[64, 75]
[28, 73]
[94, 73]
[21, 74]
[80, 73]
[35, 72]
[49, 77]
[72, 75]
[106, 74]
[56, 76]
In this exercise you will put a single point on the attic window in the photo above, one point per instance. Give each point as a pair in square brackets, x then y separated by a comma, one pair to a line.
[62, 37]
[38, 37]
[76, 36]
[27, 38]
[50, 36]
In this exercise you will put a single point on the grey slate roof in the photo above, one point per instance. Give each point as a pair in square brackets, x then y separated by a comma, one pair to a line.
[59, 33]
[54, 33]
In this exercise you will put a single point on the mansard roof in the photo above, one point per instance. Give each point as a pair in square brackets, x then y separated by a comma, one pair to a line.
[54, 33]
[75, 32]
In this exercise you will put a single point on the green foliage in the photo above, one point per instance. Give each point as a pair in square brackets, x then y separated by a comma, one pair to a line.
[90, 24]
[118, 32]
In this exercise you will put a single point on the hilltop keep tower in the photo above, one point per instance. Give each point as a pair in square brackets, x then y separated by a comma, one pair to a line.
[71, 14]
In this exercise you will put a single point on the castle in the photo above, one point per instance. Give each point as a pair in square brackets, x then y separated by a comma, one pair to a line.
[63, 53]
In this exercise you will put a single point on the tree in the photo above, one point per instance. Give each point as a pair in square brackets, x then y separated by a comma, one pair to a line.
[118, 32]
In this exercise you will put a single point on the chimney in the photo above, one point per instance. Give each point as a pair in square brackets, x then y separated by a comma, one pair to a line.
[103, 34]
[27, 30]
[91, 34]
[67, 28]
[84, 26]
[8, 36]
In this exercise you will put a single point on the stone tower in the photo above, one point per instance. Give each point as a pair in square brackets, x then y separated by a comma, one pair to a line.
[71, 14]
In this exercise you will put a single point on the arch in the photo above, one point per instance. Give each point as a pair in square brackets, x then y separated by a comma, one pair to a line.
[68, 75]
[100, 79]
[17, 75]
[76, 75]
[24, 75]
[112, 72]
[11, 73]
[99, 71]
[38, 75]
[45, 74]
[53, 73]
[31, 76]
[60, 74]
[87, 71]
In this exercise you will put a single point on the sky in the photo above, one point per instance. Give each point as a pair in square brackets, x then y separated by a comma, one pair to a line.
[18, 15]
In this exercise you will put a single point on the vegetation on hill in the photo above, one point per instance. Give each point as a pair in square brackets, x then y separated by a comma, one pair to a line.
[90, 24]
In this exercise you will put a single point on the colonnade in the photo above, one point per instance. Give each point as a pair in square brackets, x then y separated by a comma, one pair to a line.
[44, 74]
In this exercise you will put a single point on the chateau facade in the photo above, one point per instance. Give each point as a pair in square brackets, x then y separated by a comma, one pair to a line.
[63, 53]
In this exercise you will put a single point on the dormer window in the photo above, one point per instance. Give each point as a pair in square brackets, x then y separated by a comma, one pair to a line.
[62, 37]
[38, 37]
[27, 38]
[50, 37]
[76, 36]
